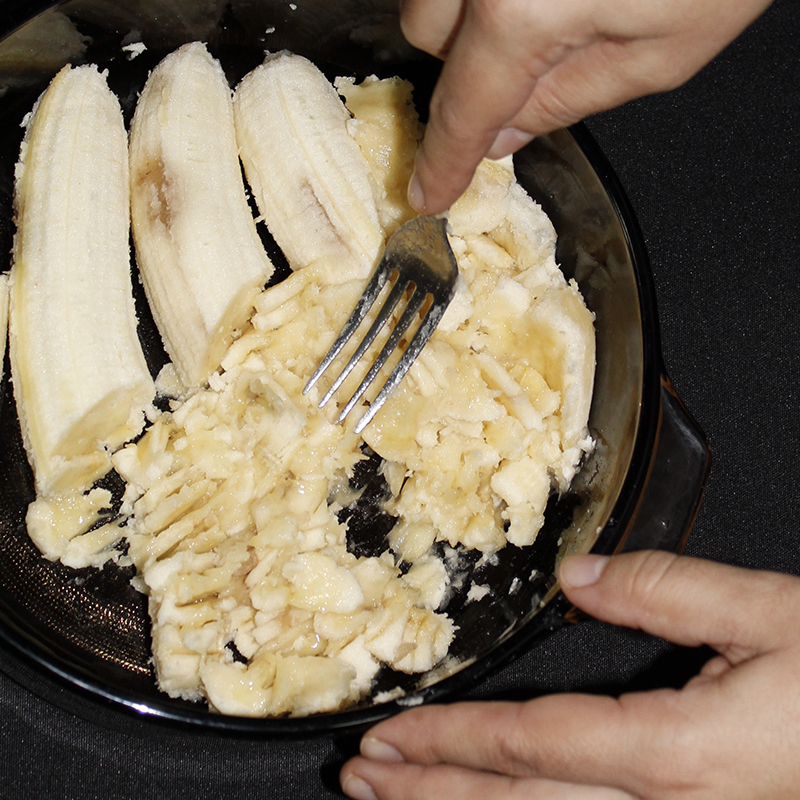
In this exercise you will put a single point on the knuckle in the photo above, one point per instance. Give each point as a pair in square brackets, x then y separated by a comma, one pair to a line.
[773, 594]
[550, 108]
[686, 760]
[513, 751]
[691, 764]
[496, 18]
[665, 76]
[770, 605]
[430, 26]
[652, 569]
[455, 135]
[446, 117]
[655, 69]
[683, 768]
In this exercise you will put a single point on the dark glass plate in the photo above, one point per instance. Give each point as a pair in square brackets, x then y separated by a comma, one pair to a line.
[82, 636]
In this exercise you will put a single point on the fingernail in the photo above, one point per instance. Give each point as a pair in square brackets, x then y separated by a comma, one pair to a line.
[579, 571]
[357, 788]
[377, 750]
[416, 197]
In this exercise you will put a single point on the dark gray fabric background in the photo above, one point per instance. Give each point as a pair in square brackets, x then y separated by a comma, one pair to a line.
[712, 172]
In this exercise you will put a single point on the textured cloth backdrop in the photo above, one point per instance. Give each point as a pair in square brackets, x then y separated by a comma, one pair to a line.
[712, 173]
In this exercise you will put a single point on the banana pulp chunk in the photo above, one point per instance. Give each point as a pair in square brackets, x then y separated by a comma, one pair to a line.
[199, 254]
[80, 379]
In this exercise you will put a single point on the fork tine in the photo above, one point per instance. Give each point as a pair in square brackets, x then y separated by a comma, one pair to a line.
[406, 318]
[418, 341]
[360, 311]
[383, 316]
[420, 255]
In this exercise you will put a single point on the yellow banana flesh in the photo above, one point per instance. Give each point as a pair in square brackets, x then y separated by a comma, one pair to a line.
[310, 180]
[198, 250]
[80, 379]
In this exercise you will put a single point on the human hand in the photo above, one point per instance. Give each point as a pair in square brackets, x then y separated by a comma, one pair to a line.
[515, 69]
[732, 733]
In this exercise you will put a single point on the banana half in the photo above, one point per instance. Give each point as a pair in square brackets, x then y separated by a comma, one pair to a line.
[310, 179]
[198, 250]
[80, 379]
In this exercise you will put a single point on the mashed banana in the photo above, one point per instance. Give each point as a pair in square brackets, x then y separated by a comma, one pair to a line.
[234, 495]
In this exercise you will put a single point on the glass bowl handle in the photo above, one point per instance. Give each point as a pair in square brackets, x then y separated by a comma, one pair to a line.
[676, 480]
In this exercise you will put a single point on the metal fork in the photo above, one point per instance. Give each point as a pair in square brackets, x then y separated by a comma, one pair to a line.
[419, 255]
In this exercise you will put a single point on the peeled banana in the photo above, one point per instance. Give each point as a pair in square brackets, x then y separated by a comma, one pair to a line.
[310, 180]
[80, 379]
[198, 250]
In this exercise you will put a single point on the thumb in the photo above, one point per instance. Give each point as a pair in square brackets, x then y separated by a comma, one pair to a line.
[689, 601]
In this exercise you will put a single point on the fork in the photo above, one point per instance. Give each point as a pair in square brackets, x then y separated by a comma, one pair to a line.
[419, 259]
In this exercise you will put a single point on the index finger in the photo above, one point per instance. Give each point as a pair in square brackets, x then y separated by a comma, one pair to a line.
[739, 612]
[570, 738]
[485, 81]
